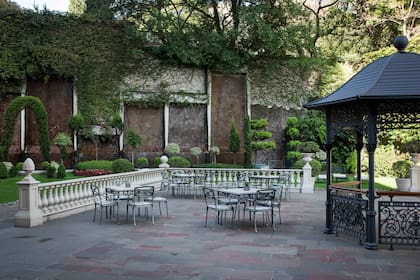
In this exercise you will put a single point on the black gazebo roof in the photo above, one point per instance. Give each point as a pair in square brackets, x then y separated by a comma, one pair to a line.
[394, 77]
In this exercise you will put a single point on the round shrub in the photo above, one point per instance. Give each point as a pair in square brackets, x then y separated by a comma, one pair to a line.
[156, 161]
[61, 172]
[142, 162]
[179, 162]
[13, 171]
[315, 164]
[172, 149]
[121, 165]
[45, 165]
[3, 171]
[19, 166]
[51, 171]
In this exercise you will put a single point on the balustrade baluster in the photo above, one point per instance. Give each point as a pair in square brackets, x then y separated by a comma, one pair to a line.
[44, 199]
[40, 204]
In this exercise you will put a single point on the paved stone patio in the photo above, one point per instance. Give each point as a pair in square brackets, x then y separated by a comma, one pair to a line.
[182, 248]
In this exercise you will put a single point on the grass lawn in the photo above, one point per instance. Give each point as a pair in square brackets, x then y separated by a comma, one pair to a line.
[9, 190]
[381, 183]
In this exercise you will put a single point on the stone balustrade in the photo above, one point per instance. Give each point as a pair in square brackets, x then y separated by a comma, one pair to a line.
[39, 203]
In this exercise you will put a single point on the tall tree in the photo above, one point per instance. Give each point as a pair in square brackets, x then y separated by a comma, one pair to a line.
[221, 35]
[77, 7]
[234, 141]
[100, 8]
[6, 4]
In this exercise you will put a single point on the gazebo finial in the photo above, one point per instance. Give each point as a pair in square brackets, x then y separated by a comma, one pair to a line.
[400, 43]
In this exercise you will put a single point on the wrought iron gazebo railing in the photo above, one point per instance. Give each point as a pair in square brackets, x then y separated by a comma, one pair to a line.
[399, 221]
[349, 210]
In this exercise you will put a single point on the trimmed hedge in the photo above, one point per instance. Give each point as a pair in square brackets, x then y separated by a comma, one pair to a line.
[179, 162]
[94, 164]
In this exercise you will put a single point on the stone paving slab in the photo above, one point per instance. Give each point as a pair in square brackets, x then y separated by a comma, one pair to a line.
[180, 247]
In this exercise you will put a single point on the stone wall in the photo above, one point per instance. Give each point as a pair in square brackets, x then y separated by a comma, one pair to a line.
[171, 105]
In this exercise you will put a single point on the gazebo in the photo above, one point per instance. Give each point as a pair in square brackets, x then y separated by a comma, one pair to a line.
[383, 95]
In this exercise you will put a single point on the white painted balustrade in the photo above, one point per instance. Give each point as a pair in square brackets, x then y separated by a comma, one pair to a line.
[217, 177]
[39, 203]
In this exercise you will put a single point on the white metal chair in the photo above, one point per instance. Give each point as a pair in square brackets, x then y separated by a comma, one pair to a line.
[103, 201]
[161, 196]
[212, 203]
[276, 203]
[138, 202]
[262, 203]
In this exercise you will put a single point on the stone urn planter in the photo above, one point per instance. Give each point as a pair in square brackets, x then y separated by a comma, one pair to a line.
[403, 184]
[401, 170]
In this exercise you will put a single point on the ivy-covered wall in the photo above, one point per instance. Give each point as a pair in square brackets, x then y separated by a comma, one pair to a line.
[105, 61]
[98, 54]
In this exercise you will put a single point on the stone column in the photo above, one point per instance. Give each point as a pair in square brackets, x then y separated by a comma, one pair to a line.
[29, 214]
[415, 173]
[308, 181]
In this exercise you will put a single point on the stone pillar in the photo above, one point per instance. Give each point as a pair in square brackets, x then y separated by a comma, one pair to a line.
[415, 179]
[415, 173]
[308, 181]
[29, 214]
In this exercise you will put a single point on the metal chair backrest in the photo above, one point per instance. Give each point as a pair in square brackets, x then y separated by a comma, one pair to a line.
[209, 195]
[266, 195]
[140, 193]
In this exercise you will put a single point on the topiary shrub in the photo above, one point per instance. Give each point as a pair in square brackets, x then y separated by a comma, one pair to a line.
[121, 165]
[179, 162]
[142, 162]
[3, 171]
[61, 172]
[94, 164]
[10, 117]
[172, 149]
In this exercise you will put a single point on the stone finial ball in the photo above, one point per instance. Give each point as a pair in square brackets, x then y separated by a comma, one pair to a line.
[400, 42]
[163, 159]
[28, 165]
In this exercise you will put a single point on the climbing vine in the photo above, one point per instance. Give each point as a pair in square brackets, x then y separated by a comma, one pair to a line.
[98, 53]
[12, 112]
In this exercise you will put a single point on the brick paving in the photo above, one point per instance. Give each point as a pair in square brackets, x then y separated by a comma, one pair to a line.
[180, 247]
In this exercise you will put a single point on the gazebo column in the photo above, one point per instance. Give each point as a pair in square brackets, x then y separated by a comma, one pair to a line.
[328, 149]
[370, 213]
[359, 147]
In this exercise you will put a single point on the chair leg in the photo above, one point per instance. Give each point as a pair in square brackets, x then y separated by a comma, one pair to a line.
[207, 211]
[215, 220]
[167, 212]
[279, 216]
[255, 223]
[100, 218]
[94, 214]
[134, 216]
[153, 216]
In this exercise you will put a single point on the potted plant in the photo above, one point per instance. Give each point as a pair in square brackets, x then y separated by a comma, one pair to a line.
[307, 149]
[401, 170]
[413, 148]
